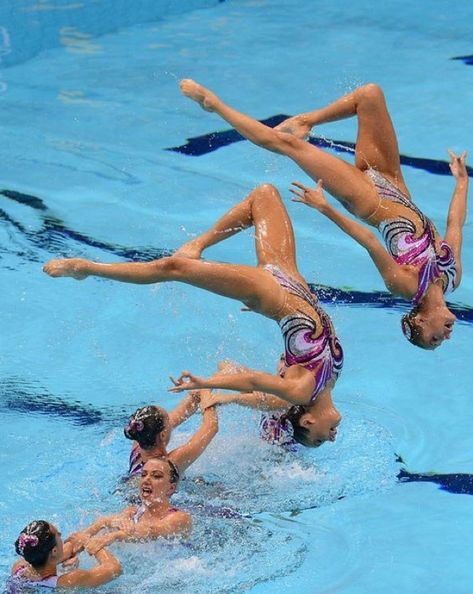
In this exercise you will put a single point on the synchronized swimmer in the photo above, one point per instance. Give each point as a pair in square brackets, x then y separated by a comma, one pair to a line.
[296, 401]
[416, 263]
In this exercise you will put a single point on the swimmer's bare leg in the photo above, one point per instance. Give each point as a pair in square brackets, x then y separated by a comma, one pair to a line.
[376, 144]
[264, 209]
[254, 287]
[343, 180]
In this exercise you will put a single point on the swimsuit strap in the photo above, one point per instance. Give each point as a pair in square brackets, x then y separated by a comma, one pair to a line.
[135, 465]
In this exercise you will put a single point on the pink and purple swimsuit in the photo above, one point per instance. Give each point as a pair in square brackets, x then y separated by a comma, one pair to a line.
[399, 235]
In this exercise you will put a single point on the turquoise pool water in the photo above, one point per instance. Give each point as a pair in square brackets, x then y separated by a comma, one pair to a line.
[90, 107]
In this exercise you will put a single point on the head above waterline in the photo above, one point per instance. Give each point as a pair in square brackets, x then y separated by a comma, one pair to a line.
[311, 427]
[40, 544]
[428, 329]
[159, 478]
[148, 426]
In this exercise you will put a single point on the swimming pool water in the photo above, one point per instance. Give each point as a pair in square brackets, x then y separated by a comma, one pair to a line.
[90, 107]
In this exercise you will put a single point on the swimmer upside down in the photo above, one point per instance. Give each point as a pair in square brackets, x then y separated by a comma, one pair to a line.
[313, 355]
[416, 264]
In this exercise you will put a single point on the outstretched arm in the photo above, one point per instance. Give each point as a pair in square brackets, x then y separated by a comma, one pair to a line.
[175, 524]
[188, 453]
[256, 400]
[457, 211]
[295, 387]
[396, 279]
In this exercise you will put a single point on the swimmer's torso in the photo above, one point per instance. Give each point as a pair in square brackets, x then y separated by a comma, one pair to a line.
[309, 336]
[411, 238]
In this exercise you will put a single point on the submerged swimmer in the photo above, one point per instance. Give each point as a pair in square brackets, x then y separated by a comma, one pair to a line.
[153, 518]
[42, 549]
[150, 429]
[274, 288]
[416, 264]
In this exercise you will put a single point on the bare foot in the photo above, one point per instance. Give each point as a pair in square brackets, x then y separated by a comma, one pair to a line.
[298, 126]
[73, 267]
[191, 249]
[198, 93]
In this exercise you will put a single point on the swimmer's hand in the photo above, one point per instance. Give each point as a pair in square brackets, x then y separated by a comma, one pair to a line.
[77, 540]
[313, 197]
[216, 399]
[205, 400]
[70, 564]
[298, 126]
[187, 381]
[457, 165]
[97, 543]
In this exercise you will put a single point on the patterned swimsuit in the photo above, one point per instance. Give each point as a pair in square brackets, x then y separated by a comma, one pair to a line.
[322, 356]
[399, 235]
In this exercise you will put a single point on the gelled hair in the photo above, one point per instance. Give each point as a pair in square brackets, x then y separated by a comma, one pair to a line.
[173, 473]
[411, 329]
[145, 424]
[299, 433]
[35, 542]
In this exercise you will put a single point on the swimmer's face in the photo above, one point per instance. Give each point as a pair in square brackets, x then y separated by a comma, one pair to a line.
[281, 366]
[320, 428]
[155, 482]
[433, 330]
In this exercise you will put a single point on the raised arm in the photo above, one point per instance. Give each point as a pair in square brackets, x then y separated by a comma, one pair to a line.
[457, 211]
[295, 387]
[107, 568]
[185, 455]
[185, 409]
[397, 280]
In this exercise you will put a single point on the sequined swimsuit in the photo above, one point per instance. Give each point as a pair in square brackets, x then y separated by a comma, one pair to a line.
[323, 356]
[399, 235]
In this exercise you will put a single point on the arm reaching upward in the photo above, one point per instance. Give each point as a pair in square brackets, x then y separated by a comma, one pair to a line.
[185, 409]
[457, 211]
[188, 453]
[397, 280]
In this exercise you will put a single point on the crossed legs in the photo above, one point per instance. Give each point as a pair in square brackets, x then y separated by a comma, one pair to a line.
[376, 144]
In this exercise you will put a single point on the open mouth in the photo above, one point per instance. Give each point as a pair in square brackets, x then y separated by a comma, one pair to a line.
[146, 491]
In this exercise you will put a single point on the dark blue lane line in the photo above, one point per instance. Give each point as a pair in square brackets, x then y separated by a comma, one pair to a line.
[207, 143]
[379, 299]
[20, 397]
[54, 237]
[457, 483]
[468, 60]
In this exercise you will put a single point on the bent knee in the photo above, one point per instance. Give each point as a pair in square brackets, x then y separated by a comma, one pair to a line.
[371, 93]
[267, 193]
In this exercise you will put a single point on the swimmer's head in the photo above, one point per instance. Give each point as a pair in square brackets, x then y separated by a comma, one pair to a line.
[148, 426]
[38, 543]
[159, 478]
[313, 428]
[428, 330]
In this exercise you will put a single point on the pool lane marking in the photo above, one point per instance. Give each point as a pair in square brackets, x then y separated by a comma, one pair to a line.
[207, 143]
